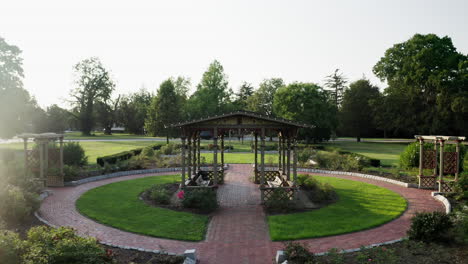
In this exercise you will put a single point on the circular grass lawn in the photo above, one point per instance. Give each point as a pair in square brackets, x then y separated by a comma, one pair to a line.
[118, 205]
[360, 206]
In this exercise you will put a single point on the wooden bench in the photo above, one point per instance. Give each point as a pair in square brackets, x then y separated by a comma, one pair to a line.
[280, 182]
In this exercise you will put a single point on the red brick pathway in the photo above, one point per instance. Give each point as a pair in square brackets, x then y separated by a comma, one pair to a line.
[238, 233]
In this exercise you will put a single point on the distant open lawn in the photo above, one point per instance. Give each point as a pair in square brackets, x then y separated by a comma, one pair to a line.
[100, 135]
[117, 204]
[388, 153]
[240, 158]
[360, 206]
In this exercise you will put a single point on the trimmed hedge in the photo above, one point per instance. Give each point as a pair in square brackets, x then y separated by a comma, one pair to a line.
[124, 155]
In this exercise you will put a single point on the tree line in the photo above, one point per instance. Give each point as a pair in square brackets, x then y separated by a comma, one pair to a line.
[426, 93]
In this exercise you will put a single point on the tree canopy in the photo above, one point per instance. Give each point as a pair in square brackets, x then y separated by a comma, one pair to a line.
[262, 99]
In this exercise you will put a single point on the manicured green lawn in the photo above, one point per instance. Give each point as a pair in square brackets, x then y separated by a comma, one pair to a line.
[360, 206]
[240, 158]
[117, 204]
[388, 153]
[100, 135]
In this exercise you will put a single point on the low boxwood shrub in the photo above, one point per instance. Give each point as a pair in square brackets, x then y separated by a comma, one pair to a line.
[337, 160]
[10, 247]
[46, 245]
[16, 204]
[148, 152]
[296, 253]
[429, 227]
[74, 154]
[122, 156]
[159, 194]
[316, 191]
[203, 199]
[70, 173]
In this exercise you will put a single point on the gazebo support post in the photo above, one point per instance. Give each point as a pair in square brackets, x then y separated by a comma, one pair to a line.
[279, 151]
[189, 158]
[61, 156]
[222, 150]
[262, 157]
[294, 161]
[435, 150]
[194, 152]
[256, 157]
[25, 142]
[198, 151]
[284, 154]
[183, 161]
[41, 161]
[215, 156]
[421, 155]
[441, 167]
[457, 150]
[288, 169]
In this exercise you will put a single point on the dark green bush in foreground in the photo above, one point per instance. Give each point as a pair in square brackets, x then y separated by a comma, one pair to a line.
[201, 199]
[159, 194]
[74, 154]
[430, 227]
[296, 253]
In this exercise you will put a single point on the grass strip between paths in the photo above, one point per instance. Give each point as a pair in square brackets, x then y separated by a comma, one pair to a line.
[360, 206]
[117, 205]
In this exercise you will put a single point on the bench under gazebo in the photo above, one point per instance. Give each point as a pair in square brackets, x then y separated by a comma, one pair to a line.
[273, 182]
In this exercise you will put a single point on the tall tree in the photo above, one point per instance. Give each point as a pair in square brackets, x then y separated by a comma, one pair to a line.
[132, 111]
[245, 91]
[93, 83]
[308, 103]
[212, 96]
[427, 78]
[357, 114]
[106, 113]
[262, 99]
[336, 84]
[57, 119]
[164, 110]
[16, 105]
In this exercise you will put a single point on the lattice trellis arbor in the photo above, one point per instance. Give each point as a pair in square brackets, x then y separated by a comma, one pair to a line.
[241, 122]
[45, 163]
[449, 162]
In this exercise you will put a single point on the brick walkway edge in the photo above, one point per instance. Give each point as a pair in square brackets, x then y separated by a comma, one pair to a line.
[238, 232]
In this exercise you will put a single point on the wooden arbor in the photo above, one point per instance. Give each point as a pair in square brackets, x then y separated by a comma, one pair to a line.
[45, 163]
[449, 162]
[242, 122]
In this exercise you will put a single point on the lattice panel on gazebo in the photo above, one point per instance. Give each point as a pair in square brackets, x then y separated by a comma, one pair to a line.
[446, 186]
[450, 162]
[269, 175]
[220, 176]
[54, 158]
[33, 160]
[429, 159]
[427, 182]
[279, 193]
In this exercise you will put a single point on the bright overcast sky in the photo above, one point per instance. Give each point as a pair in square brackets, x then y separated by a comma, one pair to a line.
[145, 42]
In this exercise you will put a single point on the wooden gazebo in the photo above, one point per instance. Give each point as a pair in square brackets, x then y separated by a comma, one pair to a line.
[44, 162]
[241, 122]
[449, 162]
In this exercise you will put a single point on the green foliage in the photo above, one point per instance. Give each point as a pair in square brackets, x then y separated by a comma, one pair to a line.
[17, 108]
[17, 204]
[93, 84]
[409, 158]
[11, 247]
[212, 96]
[148, 152]
[277, 202]
[296, 253]
[461, 187]
[305, 154]
[429, 227]
[378, 255]
[262, 100]
[341, 161]
[246, 90]
[132, 111]
[201, 199]
[316, 191]
[122, 156]
[169, 149]
[46, 245]
[356, 113]
[460, 225]
[165, 109]
[159, 194]
[307, 103]
[74, 154]
[336, 84]
[428, 86]
[70, 173]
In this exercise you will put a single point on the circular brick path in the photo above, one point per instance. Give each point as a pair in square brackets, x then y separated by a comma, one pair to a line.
[238, 233]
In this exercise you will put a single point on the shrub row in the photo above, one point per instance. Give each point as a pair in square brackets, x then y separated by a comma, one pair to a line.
[122, 156]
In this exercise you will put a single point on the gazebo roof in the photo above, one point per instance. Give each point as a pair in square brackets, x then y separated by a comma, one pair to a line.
[242, 114]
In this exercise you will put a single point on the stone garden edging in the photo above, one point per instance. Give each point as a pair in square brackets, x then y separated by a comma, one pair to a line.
[125, 173]
[444, 200]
